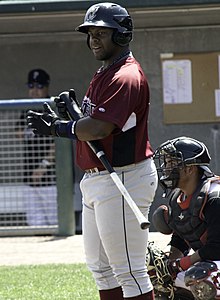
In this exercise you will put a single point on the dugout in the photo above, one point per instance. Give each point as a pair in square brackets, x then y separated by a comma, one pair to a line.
[41, 34]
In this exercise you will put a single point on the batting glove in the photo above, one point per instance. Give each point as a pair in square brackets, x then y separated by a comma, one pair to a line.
[42, 123]
[48, 123]
[62, 108]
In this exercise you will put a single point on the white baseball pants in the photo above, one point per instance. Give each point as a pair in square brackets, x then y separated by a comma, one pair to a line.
[115, 246]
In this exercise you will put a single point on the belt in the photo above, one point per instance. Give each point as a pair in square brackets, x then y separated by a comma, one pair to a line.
[91, 171]
[123, 168]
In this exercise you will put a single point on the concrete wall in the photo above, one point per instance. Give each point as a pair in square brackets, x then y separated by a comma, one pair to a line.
[68, 62]
[180, 40]
[64, 54]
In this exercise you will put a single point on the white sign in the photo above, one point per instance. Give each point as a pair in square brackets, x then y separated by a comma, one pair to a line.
[177, 81]
[217, 103]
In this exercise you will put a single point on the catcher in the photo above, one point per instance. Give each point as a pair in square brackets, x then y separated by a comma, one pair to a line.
[191, 216]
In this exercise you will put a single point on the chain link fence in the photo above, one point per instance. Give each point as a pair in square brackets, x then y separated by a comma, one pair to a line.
[28, 189]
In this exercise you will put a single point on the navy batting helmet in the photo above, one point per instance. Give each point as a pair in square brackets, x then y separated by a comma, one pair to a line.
[180, 152]
[109, 15]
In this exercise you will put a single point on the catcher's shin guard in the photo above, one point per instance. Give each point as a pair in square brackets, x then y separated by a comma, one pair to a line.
[115, 294]
[203, 280]
[183, 294]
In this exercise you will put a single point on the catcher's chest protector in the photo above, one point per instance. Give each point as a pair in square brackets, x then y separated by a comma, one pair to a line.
[189, 223]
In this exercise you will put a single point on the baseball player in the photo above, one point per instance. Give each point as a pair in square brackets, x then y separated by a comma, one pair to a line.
[191, 216]
[115, 109]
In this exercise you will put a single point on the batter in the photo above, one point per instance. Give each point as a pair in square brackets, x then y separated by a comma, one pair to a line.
[115, 108]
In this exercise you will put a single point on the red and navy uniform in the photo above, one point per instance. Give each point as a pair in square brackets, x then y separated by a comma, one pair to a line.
[119, 95]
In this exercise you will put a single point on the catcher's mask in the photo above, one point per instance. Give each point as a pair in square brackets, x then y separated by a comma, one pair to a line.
[109, 15]
[174, 155]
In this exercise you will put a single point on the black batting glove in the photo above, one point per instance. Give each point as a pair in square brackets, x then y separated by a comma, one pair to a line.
[43, 123]
[48, 123]
[62, 109]
[61, 106]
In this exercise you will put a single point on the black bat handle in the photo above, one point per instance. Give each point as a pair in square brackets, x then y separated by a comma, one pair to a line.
[95, 146]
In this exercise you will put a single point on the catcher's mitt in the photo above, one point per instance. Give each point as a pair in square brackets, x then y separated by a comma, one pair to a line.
[156, 261]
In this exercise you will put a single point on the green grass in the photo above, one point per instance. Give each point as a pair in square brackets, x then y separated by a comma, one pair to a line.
[47, 282]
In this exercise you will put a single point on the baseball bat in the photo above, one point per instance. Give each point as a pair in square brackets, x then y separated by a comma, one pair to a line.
[76, 114]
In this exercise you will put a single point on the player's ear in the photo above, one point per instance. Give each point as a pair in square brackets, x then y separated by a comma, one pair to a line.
[191, 169]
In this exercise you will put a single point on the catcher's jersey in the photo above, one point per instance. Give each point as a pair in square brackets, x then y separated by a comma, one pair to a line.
[120, 95]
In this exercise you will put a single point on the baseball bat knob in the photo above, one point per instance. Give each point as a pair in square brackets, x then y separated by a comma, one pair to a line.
[145, 225]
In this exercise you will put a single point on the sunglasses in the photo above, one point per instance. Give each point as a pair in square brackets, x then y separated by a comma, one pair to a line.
[37, 85]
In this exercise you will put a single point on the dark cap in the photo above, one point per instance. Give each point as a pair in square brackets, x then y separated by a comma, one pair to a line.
[38, 76]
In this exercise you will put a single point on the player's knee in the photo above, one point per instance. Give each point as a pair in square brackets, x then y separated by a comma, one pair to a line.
[135, 283]
[160, 219]
[104, 277]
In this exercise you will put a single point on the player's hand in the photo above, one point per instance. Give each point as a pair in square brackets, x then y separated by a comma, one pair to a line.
[174, 267]
[62, 108]
[61, 105]
[37, 175]
[43, 123]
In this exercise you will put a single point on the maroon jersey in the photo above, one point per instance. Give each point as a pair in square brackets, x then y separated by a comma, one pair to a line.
[120, 95]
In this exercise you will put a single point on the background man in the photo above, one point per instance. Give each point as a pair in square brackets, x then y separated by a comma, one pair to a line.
[40, 194]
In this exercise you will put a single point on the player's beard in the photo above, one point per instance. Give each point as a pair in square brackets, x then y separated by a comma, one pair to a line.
[106, 54]
[102, 55]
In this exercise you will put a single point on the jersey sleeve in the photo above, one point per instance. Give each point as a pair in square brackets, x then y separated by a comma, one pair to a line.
[119, 99]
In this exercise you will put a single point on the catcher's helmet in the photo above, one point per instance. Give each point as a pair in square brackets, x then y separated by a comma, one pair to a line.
[180, 152]
[109, 15]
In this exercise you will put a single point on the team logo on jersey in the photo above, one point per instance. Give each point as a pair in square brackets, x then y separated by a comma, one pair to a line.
[87, 106]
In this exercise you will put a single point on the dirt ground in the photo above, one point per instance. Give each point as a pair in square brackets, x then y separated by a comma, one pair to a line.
[51, 249]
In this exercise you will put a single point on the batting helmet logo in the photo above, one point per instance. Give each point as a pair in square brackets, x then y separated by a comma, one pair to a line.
[92, 14]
